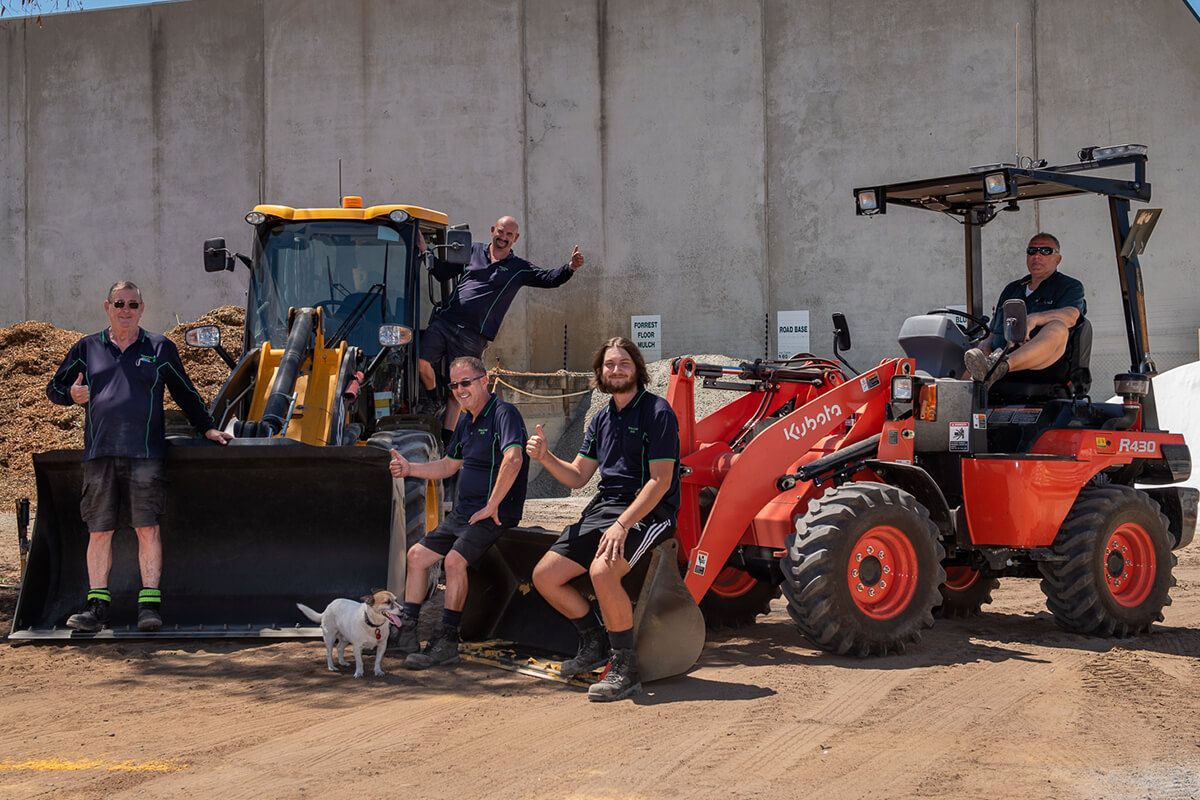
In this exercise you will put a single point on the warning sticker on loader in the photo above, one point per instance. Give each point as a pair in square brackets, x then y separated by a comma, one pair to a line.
[868, 382]
[980, 421]
[959, 441]
[701, 563]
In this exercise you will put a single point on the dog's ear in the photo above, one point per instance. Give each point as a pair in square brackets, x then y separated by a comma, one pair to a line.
[369, 599]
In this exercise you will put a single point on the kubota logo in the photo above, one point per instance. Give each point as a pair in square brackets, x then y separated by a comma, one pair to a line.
[809, 424]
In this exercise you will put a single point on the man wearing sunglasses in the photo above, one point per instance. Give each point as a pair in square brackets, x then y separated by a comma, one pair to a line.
[1055, 303]
[472, 317]
[488, 453]
[118, 376]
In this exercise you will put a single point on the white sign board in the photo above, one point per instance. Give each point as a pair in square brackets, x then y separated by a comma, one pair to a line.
[791, 334]
[646, 332]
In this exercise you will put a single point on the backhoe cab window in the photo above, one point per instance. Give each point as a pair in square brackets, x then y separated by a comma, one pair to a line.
[354, 272]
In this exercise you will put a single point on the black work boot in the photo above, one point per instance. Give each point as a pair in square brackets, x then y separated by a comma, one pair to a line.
[92, 618]
[620, 679]
[403, 641]
[149, 602]
[441, 649]
[592, 655]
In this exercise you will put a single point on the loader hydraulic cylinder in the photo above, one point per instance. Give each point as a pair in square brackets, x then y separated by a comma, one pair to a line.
[298, 346]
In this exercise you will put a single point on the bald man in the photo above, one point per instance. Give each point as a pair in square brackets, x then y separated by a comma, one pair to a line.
[471, 319]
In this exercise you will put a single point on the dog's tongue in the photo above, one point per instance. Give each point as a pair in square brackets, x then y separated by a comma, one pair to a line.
[392, 618]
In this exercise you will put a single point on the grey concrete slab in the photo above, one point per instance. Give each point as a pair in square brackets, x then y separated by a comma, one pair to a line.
[13, 305]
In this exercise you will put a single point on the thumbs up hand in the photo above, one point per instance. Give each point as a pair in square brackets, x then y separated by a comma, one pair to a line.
[80, 393]
[536, 446]
[399, 466]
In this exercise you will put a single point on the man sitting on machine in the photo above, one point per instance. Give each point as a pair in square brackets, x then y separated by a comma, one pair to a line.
[1056, 304]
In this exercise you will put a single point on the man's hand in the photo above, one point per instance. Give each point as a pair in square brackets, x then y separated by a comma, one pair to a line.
[399, 466]
[612, 543]
[535, 448]
[80, 393]
[487, 511]
[576, 259]
[214, 435]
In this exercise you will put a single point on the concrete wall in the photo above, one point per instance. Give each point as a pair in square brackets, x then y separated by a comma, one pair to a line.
[700, 153]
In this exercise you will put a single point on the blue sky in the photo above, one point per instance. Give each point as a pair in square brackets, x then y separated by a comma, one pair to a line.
[94, 4]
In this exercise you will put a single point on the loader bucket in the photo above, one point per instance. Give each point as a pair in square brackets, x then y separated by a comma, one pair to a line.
[250, 529]
[507, 623]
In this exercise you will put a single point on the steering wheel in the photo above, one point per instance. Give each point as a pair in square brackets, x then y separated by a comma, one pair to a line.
[979, 328]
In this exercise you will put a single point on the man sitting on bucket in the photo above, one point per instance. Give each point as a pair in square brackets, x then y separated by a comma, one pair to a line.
[634, 442]
[493, 470]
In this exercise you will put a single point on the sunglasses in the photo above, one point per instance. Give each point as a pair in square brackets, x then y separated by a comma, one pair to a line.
[464, 384]
[1046, 251]
[133, 304]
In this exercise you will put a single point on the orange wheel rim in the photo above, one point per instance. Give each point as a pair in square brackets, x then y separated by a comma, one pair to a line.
[882, 575]
[1129, 565]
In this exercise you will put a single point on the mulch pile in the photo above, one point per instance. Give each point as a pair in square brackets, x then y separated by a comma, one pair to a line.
[31, 352]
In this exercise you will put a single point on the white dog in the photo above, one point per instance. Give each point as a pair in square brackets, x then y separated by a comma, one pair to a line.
[363, 624]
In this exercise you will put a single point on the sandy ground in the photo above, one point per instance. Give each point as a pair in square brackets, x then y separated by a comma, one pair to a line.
[1006, 705]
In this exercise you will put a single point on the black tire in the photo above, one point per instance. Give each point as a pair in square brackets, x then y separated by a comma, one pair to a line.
[964, 593]
[736, 599]
[420, 517]
[1116, 577]
[838, 588]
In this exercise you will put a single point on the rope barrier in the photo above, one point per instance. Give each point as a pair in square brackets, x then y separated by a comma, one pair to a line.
[539, 396]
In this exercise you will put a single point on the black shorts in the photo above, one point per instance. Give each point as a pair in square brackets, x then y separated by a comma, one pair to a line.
[123, 491]
[443, 338]
[456, 533]
[580, 541]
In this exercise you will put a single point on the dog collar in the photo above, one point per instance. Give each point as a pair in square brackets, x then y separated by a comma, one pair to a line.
[367, 619]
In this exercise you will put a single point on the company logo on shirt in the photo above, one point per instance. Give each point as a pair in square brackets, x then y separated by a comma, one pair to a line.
[633, 429]
[146, 359]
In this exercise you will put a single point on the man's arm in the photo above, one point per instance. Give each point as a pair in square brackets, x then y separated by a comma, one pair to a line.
[510, 468]
[60, 390]
[441, 469]
[574, 475]
[185, 394]
[612, 543]
[551, 278]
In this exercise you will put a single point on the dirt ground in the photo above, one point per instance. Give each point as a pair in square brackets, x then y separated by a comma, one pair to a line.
[1006, 705]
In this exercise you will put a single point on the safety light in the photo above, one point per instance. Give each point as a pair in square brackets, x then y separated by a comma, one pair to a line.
[868, 202]
[995, 184]
[902, 388]
[256, 218]
[399, 216]
[203, 336]
[1118, 150]
[927, 407]
[394, 335]
[351, 201]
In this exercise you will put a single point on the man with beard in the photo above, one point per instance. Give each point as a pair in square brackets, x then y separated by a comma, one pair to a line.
[634, 442]
[472, 316]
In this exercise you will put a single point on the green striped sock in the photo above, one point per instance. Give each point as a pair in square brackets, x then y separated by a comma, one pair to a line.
[99, 594]
[149, 596]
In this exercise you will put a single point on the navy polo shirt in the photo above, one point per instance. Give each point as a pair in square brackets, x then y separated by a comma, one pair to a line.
[626, 441]
[488, 288]
[1057, 291]
[480, 443]
[124, 416]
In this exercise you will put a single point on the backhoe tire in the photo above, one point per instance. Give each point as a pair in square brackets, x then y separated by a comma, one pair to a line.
[862, 571]
[420, 517]
[964, 593]
[735, 599]
[1116, 578]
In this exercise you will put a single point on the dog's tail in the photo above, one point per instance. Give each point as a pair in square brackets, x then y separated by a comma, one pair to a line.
[308, 612]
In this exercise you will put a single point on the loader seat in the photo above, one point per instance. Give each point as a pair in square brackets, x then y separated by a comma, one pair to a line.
[1069, 377]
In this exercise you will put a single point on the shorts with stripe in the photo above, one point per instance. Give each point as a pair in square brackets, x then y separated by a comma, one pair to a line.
[580, 541]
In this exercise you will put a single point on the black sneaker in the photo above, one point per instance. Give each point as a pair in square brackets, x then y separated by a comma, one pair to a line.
[92, 618]
[592, 655]
[148, 617]
[620, 679]
[985, 368]
[441, 649]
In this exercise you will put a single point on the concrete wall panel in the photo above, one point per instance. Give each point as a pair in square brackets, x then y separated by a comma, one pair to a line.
[701, 154]
[12, 173]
